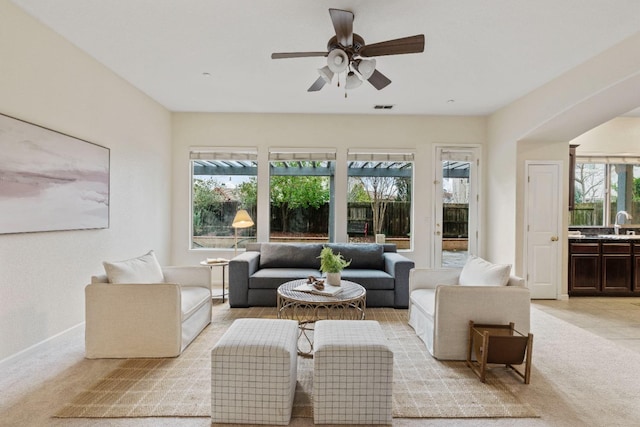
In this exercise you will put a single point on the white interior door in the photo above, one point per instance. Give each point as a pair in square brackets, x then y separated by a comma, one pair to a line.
[542, 229]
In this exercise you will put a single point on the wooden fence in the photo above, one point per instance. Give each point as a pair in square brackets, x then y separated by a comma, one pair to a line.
[397, 221]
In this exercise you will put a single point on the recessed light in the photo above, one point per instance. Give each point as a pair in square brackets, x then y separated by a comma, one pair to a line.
[205, 74]
[451, 101]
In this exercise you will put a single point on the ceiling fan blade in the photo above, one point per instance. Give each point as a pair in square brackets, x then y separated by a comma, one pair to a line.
[343, 24]
[411, 44]
[317, 85]
[282, 55]
[379, 80]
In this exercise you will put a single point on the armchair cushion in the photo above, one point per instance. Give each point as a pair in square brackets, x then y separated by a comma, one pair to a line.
[143, 269]
[479, 272]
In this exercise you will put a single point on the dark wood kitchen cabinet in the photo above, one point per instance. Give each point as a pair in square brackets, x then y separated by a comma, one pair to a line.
[616, 267]
[636, 268]
[604, 267]
[584, 268]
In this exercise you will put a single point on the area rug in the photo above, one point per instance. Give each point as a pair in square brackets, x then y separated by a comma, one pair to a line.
[423, 387]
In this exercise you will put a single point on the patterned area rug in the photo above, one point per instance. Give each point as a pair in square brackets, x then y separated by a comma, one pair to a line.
[423, 386]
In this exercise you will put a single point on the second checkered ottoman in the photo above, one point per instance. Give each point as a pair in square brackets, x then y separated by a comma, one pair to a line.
[253, 372]
[352, 373]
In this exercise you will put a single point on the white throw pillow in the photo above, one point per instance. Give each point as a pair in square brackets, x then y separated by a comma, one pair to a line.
[144, 269]
[479, 272]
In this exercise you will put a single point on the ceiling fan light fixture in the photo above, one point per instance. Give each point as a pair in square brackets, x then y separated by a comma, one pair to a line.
[337, 60]
[326, 74]
[353, 81]
[366, 67]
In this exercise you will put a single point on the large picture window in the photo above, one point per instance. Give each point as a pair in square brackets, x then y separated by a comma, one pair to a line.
[379, 197]
[604, 187]
[222, 182]
[301, 189]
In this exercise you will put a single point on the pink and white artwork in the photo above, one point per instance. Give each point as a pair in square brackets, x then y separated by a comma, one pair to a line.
[50, 181]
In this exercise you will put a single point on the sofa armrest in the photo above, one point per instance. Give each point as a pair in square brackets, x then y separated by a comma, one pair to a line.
[456, 305]
[515, 281]
[132, 320]
[430, 278]
[399, 267]
[191, 275]
[240, 269]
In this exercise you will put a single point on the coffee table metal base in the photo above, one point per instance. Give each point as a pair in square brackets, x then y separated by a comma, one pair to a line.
[307, 308]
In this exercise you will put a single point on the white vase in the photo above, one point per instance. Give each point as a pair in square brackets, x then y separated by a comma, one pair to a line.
[333, 279]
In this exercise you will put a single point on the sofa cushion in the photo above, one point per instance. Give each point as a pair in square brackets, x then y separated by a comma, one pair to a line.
[425, 299]
[192, 298]
[362, 256]
[271, 278]
[289, 255]
[370, 279]
[143, 269]
[479, 272]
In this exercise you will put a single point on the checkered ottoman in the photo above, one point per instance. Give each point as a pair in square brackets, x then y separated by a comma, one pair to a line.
[352, 373]
[253, 372]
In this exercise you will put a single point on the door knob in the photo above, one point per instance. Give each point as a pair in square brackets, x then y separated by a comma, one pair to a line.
[554, 238]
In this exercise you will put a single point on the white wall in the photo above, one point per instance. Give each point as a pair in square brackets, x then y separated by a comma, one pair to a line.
[583, 98]
[47, 81]
[418, 133]
[618, 136]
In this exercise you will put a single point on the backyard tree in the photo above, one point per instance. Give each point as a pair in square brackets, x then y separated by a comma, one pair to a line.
[248, 192]
[208, 198]
[290, 192]
[589, 182]
[382, 190]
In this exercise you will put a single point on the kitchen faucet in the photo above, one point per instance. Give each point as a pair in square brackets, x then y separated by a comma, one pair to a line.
[616, 226]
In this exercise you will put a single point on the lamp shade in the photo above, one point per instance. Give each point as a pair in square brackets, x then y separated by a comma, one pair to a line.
[242, 219]
[353, 81]
[326, 74]
[337, 60]
[366, 67]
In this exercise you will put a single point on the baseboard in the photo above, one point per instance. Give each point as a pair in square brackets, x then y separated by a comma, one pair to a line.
[563, 297]
[39, 347]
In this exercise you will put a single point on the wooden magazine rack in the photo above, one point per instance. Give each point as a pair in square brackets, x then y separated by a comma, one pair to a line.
[499, 344]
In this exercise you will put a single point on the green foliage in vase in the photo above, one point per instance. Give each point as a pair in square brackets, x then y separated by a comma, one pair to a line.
[330, 262]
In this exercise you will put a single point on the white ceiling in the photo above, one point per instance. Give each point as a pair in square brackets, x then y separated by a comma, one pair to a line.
[480, 55]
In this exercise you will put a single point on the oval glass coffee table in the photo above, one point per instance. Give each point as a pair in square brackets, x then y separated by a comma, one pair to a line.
[307, 308]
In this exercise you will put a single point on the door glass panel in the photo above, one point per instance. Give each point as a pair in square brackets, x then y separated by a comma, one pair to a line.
[456, 188]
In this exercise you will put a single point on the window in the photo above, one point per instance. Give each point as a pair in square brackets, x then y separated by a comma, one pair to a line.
[379, 197]
[223, 180]
[301, 185]
[605, 186]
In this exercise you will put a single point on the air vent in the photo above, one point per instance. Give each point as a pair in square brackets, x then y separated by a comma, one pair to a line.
[383, 107]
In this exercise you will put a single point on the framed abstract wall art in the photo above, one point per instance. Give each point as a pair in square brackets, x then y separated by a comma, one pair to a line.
[50, 181]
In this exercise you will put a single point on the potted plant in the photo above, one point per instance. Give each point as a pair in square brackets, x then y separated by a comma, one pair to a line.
[332, 264]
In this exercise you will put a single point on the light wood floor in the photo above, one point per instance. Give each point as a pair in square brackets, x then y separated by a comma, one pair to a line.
[613, 318]
[32, 389]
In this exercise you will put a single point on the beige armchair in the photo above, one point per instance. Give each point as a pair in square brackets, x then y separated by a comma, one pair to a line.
[440, 309]
[126, 320]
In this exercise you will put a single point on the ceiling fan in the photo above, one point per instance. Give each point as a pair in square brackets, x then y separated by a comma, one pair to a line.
[347, 52]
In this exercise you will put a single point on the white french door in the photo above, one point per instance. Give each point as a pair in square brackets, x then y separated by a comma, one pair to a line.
[456, 198]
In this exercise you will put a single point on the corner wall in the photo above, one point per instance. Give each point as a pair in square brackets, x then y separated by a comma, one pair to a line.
[593, 93]
[47, 81]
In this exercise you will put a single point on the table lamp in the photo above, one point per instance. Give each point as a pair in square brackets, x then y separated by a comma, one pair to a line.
[241, 220]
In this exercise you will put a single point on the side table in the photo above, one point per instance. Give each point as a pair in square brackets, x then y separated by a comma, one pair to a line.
[223, 264]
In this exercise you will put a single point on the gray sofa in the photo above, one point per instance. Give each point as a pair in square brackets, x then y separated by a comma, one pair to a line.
[255, 275]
